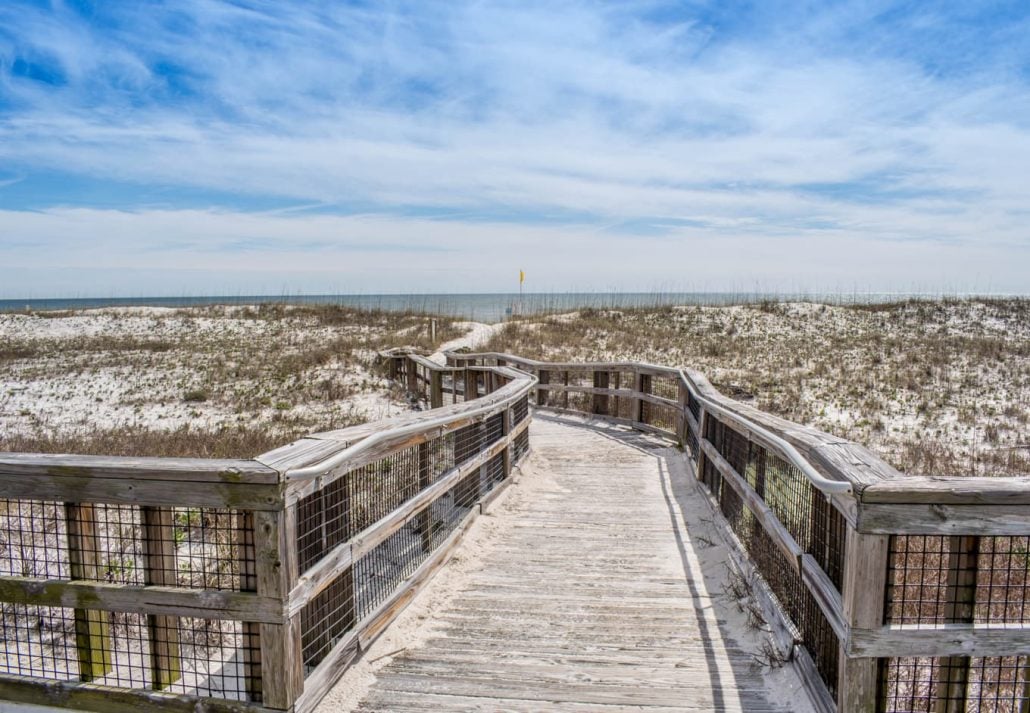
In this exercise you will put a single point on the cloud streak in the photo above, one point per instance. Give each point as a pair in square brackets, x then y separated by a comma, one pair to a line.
[604, 125]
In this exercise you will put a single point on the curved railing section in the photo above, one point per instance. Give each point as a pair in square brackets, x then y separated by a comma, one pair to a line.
[890, 592]
[215, 585]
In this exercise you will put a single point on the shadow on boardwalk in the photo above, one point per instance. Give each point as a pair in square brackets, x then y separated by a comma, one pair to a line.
[599, 585]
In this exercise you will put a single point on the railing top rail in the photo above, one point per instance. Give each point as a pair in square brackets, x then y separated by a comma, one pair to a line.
[206, 470]
[427, 425]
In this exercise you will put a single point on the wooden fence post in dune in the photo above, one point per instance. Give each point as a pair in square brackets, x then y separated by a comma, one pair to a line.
[864, 587]
[92, 627]
[159, 569]
[601, 401]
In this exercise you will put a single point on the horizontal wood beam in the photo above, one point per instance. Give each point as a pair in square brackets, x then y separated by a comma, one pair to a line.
[157, 493]
[974, 640]
[171, 601]
[942, 519]
[88, 696]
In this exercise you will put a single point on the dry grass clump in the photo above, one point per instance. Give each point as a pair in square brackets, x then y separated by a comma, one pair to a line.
[226, 381]
[937, 387]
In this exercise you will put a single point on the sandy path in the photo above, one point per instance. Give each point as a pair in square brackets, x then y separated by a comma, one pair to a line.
[478, 335]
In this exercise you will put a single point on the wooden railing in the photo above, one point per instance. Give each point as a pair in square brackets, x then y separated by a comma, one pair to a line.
[889, 592]
[130, 583]
[222, 585]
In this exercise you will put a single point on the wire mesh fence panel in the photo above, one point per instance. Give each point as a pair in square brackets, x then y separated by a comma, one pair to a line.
[520, 446]
[694, 406]
[795, 600]
[327, 618]
[520, 411]
[33, 539]
[200, 657]
[941, 579]
[928, 685]
[110, 544]
[663, 417]
[665, 386]
[581, 402]
[38, 641]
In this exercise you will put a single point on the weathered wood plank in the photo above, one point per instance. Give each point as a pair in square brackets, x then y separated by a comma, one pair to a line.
[88, 696]
[193, 470]
[941, 640]
[168, 601]
[941, 519]
[157, 493]
[864, 584]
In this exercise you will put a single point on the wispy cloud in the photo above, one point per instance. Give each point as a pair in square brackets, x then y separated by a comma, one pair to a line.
[599, 126]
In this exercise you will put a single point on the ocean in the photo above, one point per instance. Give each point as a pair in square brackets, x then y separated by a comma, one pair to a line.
[493, 307]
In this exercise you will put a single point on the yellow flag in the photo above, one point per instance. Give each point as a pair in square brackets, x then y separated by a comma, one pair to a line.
[522, 276]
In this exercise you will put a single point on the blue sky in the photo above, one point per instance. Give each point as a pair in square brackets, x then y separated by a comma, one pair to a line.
[195, 146]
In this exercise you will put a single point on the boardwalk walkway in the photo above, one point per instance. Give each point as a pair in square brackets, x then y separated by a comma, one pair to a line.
[590, 596]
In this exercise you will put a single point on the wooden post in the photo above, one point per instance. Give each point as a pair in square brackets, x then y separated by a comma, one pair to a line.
[681, 417]
[541, 393]
[601, 401]
[159, 569]
[435, 389]
[960, 601]
[613, 405]
[865, 588]
[471, 384]
[643, 386]
[92, 628]
[411, 370]
[565, 394]
[423, 523]
[282, 657]
[506, 429]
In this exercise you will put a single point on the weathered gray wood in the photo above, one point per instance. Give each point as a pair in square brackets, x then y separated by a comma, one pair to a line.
[950, 490]
[92, 627]
[124, 491]
[589, 603]
[75, 468]
[159, 568]
[93, 697]
[601, 402]
[864, 584]
[282, 670]
[939, 519]
[159, 600]
[976, 640]
[436, 389]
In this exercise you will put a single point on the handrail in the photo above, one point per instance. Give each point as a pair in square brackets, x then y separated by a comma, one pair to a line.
[522, 380]
[823, 484]
[820, 482]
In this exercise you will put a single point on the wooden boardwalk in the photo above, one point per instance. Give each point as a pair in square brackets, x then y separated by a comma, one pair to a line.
[595, 598]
